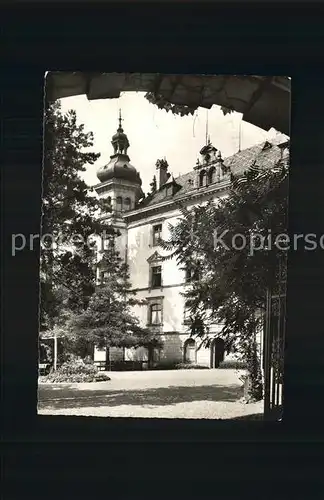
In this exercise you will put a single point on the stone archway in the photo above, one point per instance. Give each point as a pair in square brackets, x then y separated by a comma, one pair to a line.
[263, 100]
[217, 352]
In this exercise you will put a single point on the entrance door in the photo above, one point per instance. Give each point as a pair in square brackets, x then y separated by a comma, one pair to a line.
[190, 351]
[217, 352]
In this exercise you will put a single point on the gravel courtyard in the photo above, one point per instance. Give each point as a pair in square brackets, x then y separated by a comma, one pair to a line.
[209, 394]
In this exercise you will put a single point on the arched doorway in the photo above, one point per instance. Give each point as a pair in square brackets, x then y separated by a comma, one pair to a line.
[217, 352]
[190, 351]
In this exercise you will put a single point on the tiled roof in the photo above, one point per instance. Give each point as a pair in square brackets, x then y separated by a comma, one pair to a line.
[265, 155]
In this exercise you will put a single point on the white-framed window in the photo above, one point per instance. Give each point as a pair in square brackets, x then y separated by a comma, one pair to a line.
[156, 234]
[156, 276]
[155, 313]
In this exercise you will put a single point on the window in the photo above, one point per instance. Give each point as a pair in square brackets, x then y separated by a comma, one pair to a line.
[212, 175]
[156, 276]
[127, 204]
[157, 232]
[203, 179]
[155, 312]
[155, 317]
[192, 274]
[119, 204]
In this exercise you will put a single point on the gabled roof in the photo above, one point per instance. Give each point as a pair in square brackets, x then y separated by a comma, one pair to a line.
[154, 257]
[265, 155]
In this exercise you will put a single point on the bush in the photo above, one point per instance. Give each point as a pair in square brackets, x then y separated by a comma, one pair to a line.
[191, 366]
[233, 364]
[165, 365]
[73, 371]
[101, 377]
[175, 365]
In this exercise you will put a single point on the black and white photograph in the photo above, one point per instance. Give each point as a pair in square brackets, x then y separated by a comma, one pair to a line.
[164, 243]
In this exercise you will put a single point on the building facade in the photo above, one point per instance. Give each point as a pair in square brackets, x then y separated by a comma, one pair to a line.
[143, 220]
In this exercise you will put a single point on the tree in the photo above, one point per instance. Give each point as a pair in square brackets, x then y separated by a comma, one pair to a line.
[70, 216]
[162, 103]
[108, 320]
[178, 109]
[232, 281]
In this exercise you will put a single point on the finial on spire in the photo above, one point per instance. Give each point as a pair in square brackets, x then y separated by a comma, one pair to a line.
[120, 119]
[206, 127]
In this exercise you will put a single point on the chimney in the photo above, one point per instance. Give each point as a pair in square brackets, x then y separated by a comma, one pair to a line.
[162, 168]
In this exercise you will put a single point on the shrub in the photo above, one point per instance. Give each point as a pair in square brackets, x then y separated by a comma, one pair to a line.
[174, 365]
[190, 366]
[73, 371]
[101, 377]
[165, 365]
[233, 364]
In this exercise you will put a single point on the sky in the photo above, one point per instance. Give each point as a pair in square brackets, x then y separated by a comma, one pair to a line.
[154, 134]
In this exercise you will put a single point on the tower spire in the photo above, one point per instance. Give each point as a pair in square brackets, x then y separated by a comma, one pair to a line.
[207, 137]
[120, 141]
[120, 119]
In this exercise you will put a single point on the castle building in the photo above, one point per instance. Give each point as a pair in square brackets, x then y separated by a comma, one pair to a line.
[143, 221]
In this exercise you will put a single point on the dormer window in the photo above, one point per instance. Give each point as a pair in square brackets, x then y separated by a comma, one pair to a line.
[171, 187]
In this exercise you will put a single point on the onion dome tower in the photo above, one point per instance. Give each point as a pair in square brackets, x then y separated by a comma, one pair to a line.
[119, 166]
[119, 180]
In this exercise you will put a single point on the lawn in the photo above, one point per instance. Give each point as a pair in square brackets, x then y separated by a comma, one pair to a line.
[209, 394]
